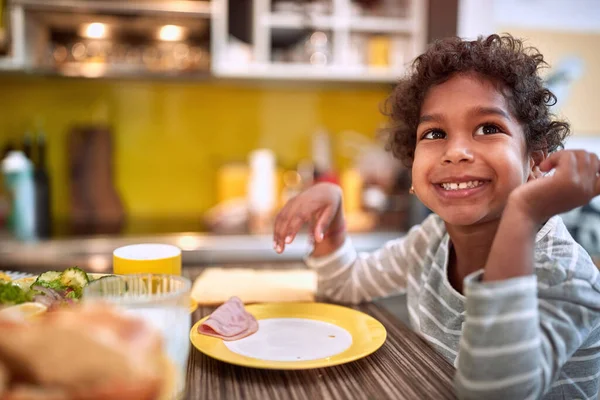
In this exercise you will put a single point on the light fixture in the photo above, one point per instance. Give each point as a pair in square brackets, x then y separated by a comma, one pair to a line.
[95, 30]
[171, 33]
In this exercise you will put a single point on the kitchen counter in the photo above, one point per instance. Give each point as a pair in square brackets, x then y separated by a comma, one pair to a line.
[94, 254]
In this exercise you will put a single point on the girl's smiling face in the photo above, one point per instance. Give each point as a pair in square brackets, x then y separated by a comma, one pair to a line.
[470, 152]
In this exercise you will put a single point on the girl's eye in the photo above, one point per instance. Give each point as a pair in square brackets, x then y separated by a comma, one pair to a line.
[488, 129]
[434, 134]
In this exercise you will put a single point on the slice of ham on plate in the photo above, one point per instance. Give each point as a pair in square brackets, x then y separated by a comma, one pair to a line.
[229, 322]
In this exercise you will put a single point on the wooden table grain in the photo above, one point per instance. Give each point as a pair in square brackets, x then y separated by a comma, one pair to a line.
[405, 367]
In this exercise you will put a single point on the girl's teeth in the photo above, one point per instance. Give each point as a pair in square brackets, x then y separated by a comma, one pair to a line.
[461, 185]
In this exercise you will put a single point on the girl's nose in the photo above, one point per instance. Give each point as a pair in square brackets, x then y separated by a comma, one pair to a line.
[457, 151]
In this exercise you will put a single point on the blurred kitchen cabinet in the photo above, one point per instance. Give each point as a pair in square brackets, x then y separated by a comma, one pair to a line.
[329, 40]
[12, 35]
[324, 40]
[100, 38]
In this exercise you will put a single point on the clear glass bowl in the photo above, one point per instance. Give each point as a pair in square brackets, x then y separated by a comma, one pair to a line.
[161, 300]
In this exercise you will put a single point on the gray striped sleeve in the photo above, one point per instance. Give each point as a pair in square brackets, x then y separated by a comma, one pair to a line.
[519, 333]
[346, 276]
[499, 349]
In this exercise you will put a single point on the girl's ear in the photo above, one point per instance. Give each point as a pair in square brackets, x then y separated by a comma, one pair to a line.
[535, 158]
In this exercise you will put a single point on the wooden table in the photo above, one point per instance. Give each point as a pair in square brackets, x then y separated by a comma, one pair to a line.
[405, 367]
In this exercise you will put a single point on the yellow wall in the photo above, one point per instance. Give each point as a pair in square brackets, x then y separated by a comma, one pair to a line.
[581, 108]
[171, 136]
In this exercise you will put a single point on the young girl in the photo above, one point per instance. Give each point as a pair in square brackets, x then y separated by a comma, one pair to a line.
[494, 281]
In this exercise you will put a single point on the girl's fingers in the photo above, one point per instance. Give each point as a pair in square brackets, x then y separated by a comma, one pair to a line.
[322, 223]
[594, 163]
[293, 228]
[281, 223]
[551, 161]
[584, 162]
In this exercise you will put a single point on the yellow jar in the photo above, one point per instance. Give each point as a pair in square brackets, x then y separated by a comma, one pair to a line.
[379, 51]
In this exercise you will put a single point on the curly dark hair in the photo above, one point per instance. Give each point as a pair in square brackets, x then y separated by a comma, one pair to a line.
[501, 58]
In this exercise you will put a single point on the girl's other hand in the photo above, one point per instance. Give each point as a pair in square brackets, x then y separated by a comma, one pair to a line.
[575, 182]
[319, 207]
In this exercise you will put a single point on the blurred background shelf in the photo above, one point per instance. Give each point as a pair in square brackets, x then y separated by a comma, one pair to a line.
[384, 25]
[240, 39]
[295, 21]
[196, 8]
[344, 40]
[94, 39]
[281, 71]
[380, 25]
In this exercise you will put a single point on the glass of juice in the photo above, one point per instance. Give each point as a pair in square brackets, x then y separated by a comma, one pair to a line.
[160, 300]
[147, 258]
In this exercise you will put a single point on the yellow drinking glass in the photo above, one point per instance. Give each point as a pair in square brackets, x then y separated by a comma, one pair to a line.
[147, 258]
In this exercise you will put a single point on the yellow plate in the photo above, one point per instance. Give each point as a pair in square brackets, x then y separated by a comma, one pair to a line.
[29, 280]
[368, 335]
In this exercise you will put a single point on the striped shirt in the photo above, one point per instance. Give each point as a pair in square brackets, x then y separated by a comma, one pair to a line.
[522, 338]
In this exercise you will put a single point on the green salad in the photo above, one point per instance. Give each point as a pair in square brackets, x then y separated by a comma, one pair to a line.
[11, 294]
[50, 288]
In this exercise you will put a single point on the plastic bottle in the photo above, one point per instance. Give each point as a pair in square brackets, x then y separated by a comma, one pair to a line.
[261, 194]
[18, 178]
